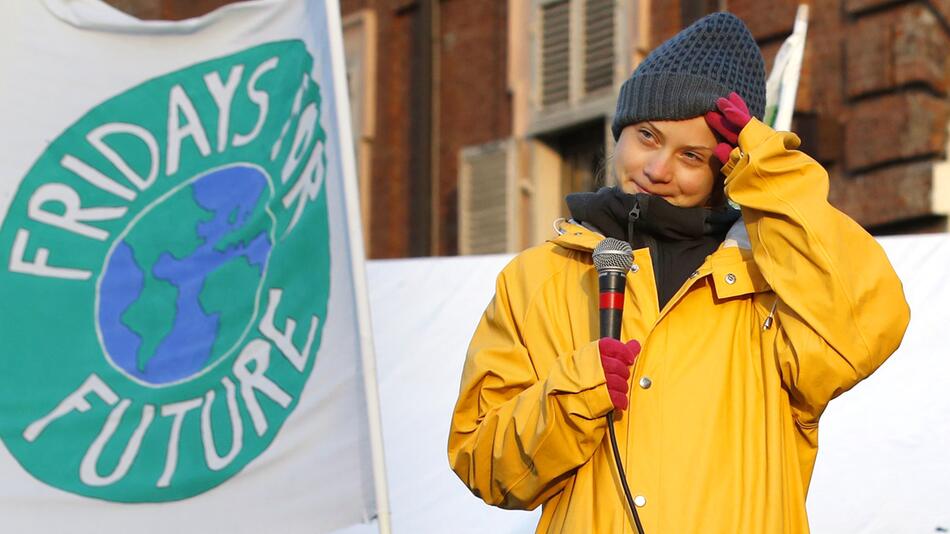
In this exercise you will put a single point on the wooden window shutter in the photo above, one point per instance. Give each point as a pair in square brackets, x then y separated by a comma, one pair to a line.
[487, 197]
[598, 45]
[555, 52]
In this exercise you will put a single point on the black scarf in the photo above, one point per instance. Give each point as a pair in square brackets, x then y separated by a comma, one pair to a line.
[679, 239]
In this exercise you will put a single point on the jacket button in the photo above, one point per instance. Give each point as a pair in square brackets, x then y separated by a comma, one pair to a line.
[730, 278]
[634, 268]
[640, 501]
[694, 274]
[645, 382]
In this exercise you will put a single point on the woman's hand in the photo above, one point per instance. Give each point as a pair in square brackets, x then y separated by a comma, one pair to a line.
[616, 358]
[728, 119]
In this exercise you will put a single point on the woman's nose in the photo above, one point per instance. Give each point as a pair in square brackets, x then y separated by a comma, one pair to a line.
[657, 169]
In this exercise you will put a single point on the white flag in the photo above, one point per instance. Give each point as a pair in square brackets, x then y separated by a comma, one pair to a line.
[182, 334]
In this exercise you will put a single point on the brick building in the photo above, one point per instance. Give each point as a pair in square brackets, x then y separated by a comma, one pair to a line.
[518, 95]
[484, 113]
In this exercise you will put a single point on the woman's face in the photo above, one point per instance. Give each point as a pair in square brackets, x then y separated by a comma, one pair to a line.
[669, 159]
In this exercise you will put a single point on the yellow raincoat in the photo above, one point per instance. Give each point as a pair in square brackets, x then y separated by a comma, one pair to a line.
[736, 369]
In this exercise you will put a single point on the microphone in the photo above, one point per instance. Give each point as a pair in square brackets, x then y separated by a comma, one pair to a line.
[612, 259]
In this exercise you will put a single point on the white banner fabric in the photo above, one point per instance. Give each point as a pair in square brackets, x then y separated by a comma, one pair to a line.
[882, 463]
[180, 274]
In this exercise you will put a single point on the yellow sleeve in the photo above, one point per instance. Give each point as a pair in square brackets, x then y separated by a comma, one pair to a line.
[525, 417]
[842, 309]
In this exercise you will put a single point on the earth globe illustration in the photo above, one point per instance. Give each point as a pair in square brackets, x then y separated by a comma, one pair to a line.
[181, 285]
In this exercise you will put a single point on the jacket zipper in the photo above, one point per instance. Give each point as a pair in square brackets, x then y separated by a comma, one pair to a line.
[632, 218]
[650, 243]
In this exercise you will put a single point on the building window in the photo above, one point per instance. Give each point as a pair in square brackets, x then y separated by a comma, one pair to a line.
[488, 196]
[598, 45]
[576, 50]
[556, 52]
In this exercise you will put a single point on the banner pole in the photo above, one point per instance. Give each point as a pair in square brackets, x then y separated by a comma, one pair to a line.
[358, 265]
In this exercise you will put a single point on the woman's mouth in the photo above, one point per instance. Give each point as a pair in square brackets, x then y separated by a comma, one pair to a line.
[640, 189]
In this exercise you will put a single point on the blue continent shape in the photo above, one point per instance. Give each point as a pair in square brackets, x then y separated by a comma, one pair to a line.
[122, 287]
[230, 195]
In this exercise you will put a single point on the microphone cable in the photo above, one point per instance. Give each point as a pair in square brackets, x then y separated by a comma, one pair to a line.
[613, 258]
[622, 472]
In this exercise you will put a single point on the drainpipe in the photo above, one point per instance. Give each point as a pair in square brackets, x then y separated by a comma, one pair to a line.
[420, 129]
[434, 140]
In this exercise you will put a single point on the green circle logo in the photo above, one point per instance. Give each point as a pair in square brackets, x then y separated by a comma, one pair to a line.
[167, 281]
[204, 271]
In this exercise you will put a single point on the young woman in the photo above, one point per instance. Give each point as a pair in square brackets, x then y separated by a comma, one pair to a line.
[749, 326]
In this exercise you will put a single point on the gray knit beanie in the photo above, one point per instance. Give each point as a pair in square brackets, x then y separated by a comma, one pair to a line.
[683, 77]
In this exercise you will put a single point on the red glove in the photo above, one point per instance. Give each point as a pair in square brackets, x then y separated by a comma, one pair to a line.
[616, 359]
[728, 120]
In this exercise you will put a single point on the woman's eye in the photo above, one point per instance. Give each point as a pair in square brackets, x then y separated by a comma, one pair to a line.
[692, 156]
[646, 135]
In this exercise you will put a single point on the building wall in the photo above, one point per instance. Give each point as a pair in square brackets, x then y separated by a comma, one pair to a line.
[468, 105]
[896, 109]
[872, 104]
[474, 105]
[389, 220]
